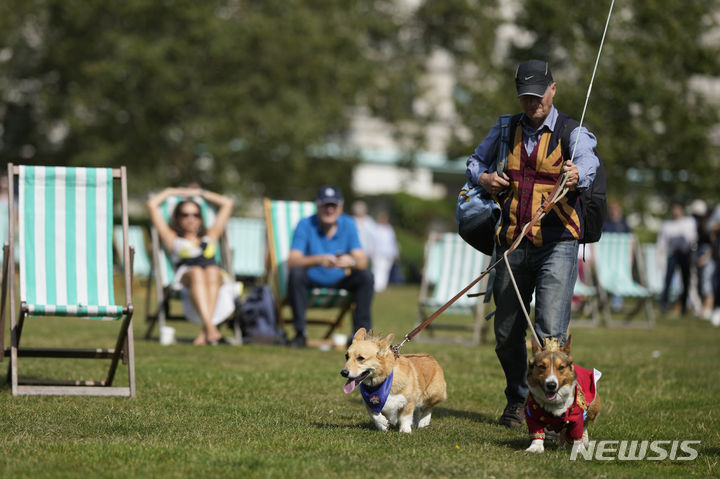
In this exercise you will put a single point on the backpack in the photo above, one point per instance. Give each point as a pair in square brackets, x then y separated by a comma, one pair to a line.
[257, 316]
[593, 201]
[477, 214]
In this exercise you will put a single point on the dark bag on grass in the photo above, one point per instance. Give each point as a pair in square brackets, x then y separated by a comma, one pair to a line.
[258, 320]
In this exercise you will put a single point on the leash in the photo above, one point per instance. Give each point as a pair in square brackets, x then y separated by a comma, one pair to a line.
[556, 194]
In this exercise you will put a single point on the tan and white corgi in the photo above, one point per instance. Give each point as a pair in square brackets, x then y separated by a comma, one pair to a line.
[563, 397]
[397, 391]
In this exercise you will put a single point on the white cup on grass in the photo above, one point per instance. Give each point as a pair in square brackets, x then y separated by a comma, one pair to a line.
[167, 335]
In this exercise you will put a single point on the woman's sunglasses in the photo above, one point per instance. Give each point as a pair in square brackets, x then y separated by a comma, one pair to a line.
[185, 215]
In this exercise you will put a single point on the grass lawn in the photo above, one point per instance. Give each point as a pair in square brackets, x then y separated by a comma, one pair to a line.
[268, 411]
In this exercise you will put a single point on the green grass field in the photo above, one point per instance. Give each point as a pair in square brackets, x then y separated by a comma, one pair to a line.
[268, 411]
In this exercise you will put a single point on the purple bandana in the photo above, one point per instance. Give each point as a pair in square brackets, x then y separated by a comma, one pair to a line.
[376, 397]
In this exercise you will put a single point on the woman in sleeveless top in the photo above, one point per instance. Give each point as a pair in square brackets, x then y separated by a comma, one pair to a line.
[192, 249]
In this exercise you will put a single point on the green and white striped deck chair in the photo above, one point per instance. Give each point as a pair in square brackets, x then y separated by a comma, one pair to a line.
[450, 265]
[136, 238]
[281, 217]
[246, 237]
[654, 268]
[615, 255]
[65, 222]
[163, 272]
[587, 294]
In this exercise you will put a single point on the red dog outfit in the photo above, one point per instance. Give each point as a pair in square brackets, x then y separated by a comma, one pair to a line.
[574, 417]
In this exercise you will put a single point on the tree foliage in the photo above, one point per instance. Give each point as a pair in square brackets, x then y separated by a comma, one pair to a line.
[247, 95]
[232, 93]
[653, 126]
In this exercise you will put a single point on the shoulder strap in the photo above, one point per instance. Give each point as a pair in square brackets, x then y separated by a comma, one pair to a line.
[568, 125]
[508, 123]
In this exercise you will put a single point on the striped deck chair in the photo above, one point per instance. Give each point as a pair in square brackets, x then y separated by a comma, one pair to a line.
[281, 217]
[450, 265]
[615, 255]
[65, 221]
[587, 294]
[246, 237]
[654, 269]
[136, 236]
[163, 274]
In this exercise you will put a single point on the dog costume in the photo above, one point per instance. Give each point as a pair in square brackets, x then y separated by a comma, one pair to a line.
[573, 419]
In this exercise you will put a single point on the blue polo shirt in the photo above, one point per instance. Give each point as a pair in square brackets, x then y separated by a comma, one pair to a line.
[310, 240]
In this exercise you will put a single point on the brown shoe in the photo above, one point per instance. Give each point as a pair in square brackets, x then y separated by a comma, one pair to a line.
[512, 416]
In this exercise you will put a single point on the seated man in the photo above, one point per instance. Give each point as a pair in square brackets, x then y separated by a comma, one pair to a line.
[326, 252]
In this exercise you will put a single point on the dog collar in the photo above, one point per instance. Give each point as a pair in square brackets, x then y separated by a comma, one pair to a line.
[376, 397]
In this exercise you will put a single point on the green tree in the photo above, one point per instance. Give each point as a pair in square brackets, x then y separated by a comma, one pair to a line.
[231, 93]
[653, 127]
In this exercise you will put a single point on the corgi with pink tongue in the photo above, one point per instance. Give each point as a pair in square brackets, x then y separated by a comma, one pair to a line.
[398, 391]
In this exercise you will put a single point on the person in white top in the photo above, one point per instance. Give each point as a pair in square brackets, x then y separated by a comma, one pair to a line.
[192, 248]
[677, 238]
[365, 226]
[385, 251]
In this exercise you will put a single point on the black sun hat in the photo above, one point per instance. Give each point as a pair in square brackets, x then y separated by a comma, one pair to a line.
[533, 77]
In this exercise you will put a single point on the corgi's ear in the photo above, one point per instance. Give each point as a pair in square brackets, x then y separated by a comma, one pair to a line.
[385, 344]
[567, 346]
[359, 335]
[536, 347]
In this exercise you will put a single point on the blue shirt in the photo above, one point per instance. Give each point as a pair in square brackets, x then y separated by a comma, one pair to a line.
[585, 159]
[310, 240]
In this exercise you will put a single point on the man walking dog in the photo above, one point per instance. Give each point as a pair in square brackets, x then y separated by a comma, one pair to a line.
[545, 261]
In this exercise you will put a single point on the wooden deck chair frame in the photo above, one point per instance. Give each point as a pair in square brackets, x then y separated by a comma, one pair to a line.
[436, 270]
[644, 297]
[124, 348]
[160, 273]
[280, 240]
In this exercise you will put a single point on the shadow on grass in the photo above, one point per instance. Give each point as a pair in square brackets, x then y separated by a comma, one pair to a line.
[368, 426]
[470, 415]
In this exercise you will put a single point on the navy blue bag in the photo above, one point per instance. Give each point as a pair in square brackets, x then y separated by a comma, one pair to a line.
[258, 320]
[477, 213]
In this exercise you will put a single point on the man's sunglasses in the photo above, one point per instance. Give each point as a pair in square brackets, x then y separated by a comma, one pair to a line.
[185, 215]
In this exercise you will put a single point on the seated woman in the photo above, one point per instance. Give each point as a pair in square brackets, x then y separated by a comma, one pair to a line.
[192, 250]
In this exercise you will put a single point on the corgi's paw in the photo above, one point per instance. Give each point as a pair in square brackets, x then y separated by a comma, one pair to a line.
[536, 446]
[424, 422]
[406, 424]
[585, 439]
[381, 422]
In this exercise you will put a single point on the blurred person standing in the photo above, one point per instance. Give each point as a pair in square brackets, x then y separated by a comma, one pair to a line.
[615, 222]
[385, 251]
[713, 227]
[703, 260]
[676, 240]
[365, 226]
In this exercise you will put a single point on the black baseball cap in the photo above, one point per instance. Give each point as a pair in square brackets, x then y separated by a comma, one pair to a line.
[329, 194]
[533, 77]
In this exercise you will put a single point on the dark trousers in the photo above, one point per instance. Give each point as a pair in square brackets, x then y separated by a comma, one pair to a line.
[674, 260]
[358, 282]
